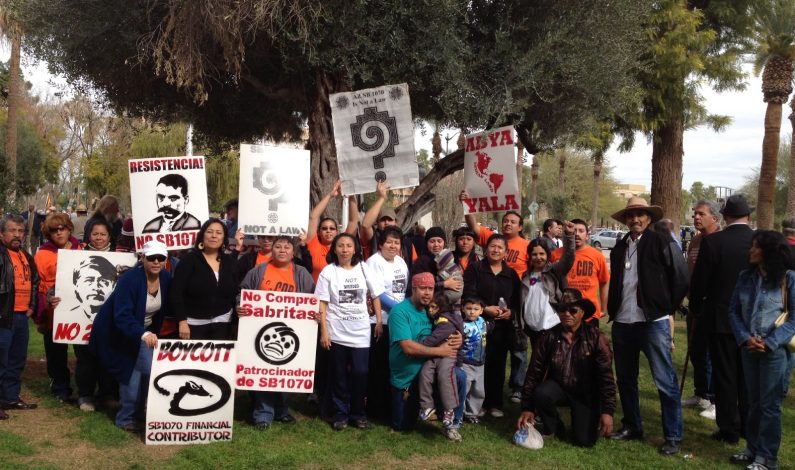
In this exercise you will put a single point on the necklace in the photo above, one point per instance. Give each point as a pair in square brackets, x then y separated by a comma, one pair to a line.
[630, 253]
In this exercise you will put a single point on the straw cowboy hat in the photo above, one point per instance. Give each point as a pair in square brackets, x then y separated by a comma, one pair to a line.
[635, 203]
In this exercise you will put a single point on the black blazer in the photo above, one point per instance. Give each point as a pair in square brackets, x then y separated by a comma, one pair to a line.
[480, 281]
[722, 256]
[195, 292]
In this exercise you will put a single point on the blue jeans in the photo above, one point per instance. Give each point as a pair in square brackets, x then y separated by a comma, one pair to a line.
[406, 403]
[766, 378]
[519, 365]
[654, 340]
[269, 406]
[133, 395]
[13, 354]
[348, 381]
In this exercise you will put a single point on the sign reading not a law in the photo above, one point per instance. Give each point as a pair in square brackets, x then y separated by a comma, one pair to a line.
[84, 281]
[276, 341]
[191, 392]
[169, 200]
[374, 136]
[274, 190]
[490, 172]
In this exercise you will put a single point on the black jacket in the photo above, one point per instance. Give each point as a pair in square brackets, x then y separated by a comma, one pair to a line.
[722, 256]
[480, 281]
[194, 291]
[662, 275]
[7, 291]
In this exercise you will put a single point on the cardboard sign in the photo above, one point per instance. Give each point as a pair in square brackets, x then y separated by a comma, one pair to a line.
[276, 341]
[191, 392]
[169, 200]
[84, 281]
[274, 190]
[490, 172]
[374, 136]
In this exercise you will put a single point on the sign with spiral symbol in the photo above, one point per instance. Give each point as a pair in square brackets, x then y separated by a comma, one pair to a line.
[374, 136]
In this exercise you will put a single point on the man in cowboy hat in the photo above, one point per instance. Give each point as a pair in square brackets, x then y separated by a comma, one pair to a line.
[721, 257]
[648, 281]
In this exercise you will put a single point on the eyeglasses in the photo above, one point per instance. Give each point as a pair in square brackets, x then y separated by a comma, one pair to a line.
[60, 228]
[158, 258]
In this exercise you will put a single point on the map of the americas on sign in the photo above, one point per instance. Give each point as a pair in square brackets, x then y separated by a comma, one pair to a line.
[493, 180]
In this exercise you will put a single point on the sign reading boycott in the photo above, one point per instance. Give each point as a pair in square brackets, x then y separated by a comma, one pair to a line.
[84, 281]
[374, 135]
[276, 341]
[490, 172]
[274, 190]
[169, 200]
[191, 392]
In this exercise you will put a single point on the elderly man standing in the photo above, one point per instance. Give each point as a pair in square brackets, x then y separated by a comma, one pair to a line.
[721, 257]
[706, 219]
[648, 282]
[19, 286]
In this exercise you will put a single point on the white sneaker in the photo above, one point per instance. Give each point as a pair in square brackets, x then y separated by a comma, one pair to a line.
[87, 406]
[496, 413]
[516, 397]
[709, 412]
[695, 400]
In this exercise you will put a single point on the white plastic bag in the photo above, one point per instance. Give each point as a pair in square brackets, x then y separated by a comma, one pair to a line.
[528, 437]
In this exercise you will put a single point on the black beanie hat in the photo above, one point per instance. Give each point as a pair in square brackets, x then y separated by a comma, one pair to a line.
[435, 232]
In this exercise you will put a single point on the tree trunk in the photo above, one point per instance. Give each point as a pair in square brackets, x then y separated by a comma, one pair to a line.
[324, 170]
[666, 169]
[534, 178]
[597, 171]
[422, 199]
[520, 169]
[791, 176]
[767, 173]
[14, 102]
[562, 171]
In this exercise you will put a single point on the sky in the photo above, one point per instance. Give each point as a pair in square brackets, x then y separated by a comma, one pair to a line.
[718, 159]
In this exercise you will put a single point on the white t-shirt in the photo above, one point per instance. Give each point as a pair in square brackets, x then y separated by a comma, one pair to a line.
[395, 275]
[346, 293]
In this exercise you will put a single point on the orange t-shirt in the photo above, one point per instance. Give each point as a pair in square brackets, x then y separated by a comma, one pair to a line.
[22, 282]
[263, 258]
[463, 262]
[515, 256]
[588, 272]
[318, 252]
[277, 279]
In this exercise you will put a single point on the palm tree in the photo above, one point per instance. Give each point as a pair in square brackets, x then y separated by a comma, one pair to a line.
[11, 28]
[597, 171]
[774, 41]
[791, 175]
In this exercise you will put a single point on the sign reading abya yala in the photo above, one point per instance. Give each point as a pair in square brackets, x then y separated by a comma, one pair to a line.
[490, 172]
[191, 392]
[276, 341]
[274, 190]
[374, 135]
[169, 200]
[84, 281]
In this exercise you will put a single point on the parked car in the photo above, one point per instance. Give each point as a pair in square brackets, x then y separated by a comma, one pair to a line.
[606, 238]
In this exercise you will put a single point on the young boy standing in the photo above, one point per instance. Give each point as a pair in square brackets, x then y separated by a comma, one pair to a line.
[474, 355]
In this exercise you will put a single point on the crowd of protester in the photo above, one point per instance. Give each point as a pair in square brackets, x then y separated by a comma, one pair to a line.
[423, 324]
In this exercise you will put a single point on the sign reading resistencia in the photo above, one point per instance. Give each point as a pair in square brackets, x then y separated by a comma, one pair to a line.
[490, 172]
[276, 341]
[191, 392]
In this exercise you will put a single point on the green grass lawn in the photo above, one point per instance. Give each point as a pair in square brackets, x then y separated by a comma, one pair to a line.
[311, 443]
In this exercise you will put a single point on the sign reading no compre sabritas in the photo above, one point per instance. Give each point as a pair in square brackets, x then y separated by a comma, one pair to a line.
[276, 341]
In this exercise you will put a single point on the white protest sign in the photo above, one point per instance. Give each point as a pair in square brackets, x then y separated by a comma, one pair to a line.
[276, 341]
[169, 200]
[374, 136]
[191, 392]
[490, 172]
[274, 190]
[84, 281]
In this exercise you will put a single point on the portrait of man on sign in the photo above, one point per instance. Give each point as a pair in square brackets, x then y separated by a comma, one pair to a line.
[171, 194]
[94, 280]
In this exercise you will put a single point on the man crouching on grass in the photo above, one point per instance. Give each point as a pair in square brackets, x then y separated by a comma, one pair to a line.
[408, 326]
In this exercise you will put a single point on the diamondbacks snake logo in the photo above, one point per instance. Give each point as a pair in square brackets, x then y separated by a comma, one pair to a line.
[276, 343]
[195, 383]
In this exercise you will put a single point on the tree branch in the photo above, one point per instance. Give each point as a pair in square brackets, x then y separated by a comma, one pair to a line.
[269, 92]
[421, 200]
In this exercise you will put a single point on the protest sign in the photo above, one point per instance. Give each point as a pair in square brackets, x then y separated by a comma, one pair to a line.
[191, 392]
[84, 281]
[169, 200]
[274, 190]
[374, 135]
[276, 341]
[490, 172]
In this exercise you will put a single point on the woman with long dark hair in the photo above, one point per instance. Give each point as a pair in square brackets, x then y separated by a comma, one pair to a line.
[342, 289]
[762, 294]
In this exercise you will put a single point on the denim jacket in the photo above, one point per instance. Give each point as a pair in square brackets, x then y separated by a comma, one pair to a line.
[755, 307]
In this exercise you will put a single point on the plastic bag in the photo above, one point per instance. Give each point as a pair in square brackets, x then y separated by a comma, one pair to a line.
[528, 437]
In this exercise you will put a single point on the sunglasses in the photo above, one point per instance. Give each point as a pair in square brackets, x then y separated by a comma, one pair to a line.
[60, 228]
[158, 258]
[571, 311]
[328, 228]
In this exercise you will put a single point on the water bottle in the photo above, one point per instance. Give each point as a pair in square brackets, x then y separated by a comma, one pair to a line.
[501, 303]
